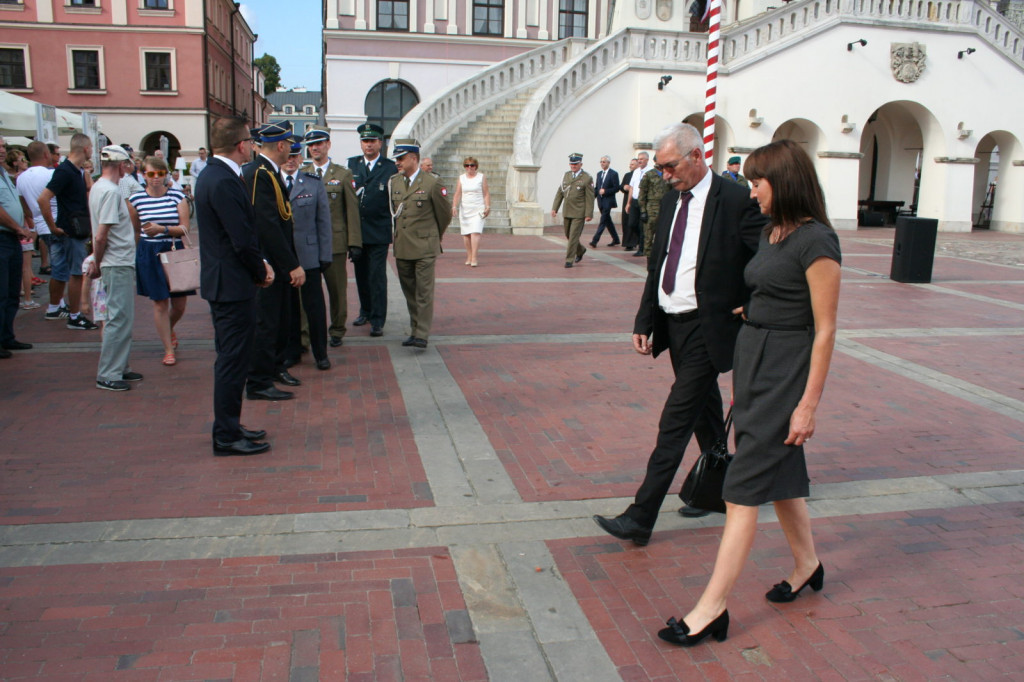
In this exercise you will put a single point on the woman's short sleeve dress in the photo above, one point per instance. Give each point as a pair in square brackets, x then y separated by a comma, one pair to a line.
[150, 279]
[471, 212]
[770, 367]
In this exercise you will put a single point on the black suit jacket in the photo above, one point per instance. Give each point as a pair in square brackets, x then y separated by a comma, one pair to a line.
[263, 185]
[374, 202]
[231, 267]
[729, 235]
[609, 182]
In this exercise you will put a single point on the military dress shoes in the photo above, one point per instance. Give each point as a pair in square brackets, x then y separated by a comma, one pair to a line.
[283, 377]
[253, 434]
[614, 243]
[241, 447]
[692, 512]
[323, 364]
[411, 341]
[568, 265]
[359, 321]
[272, 393]
[593, 245]
[419, 343]
[17, 345]
[4, 354]
[377, 331]
[624, 528]
[335, 341]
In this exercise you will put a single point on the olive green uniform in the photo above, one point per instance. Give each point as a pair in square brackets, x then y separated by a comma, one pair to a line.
[576, 197]
[346, 233]
[421, 214]
[652, 189]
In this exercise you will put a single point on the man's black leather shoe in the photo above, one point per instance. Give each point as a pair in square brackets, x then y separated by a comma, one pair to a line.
[323, 363]
[638, 253]
[411, 341]
[692, 512]
[614, 243]
[359, 321]
[17, 345]
[593, 245]
[377, 331]
[578, 259]
[568, 265]
[272, 393]
[287, 379]
[242, 446]
[624, 528]
[4, 353]
[419, 343]
[335, 341]
[253, 434]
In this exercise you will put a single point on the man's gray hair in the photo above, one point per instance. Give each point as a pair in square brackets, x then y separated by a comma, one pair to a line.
[684, 136]
[606, 158]
[643, 154]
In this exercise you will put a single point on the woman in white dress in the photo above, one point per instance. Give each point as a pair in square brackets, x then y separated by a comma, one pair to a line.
[475, 200]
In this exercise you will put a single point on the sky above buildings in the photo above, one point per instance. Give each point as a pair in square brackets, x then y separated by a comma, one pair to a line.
[292, 33]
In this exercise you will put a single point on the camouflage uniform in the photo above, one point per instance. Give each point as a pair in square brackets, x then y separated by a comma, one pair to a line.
[652, 189]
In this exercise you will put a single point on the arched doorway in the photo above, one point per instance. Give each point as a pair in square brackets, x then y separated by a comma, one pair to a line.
[724, 138]
[387, 102]
[994, 202]
[164, 141]
[805, 133]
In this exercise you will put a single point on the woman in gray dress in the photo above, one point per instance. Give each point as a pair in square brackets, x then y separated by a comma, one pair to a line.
[782, 358]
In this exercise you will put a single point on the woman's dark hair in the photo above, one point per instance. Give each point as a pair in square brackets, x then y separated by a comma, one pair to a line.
[796, 193]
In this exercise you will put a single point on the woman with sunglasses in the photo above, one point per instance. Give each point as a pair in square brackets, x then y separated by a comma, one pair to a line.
[471, 191]
[163, 213]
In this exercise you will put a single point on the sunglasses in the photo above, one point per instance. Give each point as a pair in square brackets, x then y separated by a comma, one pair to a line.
[155, 174]
[470, 165]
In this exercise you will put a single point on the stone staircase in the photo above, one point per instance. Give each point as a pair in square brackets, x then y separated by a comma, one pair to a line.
[487, 137]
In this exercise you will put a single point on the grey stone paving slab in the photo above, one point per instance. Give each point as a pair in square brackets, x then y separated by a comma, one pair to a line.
[573, 661]
[974, 297]
[488, 590]
[514, 656]
[936, 331]
[888, 503]
[375, 519]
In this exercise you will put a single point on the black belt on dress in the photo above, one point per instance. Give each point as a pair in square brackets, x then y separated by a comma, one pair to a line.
[779, 327]
[683, 317]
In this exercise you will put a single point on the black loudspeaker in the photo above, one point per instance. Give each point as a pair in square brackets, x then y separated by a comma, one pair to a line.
[913, 250]
[871, 219]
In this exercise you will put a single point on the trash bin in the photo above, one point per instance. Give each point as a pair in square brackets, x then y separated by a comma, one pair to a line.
[913, 250]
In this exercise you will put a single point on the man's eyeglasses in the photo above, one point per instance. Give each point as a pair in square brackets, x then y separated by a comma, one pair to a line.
[156, 174]
[671, 165]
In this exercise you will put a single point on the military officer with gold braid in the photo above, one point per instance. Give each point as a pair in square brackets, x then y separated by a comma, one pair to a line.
[421, 213]
[576, 197]
[273, 217]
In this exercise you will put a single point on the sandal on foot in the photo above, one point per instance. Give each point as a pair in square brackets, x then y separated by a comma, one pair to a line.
[169, 359]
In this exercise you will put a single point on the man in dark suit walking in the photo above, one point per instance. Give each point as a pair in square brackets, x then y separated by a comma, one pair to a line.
[707, 231]
[273, 213]
[232, 271]
[371, 171]
[625, 188]
[606, 187]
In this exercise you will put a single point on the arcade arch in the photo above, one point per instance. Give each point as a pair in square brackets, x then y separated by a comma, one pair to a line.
[169, 144]
[994, 172]
[805, 133]
[387, 102]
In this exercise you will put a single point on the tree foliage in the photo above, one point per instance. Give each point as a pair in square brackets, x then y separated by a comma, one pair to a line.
[271, 71]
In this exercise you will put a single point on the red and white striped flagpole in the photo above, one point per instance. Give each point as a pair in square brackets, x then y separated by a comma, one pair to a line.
[710, 96]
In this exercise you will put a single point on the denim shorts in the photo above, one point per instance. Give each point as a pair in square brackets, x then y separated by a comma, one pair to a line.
[66, 256]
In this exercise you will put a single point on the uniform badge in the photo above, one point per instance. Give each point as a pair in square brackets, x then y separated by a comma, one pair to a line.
[444, 191]
[380, 187]
[353, 184]
[333, 182]
[419, 204]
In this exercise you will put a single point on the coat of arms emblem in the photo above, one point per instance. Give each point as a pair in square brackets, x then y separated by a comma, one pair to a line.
[907, 61]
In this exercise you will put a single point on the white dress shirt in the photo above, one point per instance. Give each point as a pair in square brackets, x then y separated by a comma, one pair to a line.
[230, 164]
[684, 298]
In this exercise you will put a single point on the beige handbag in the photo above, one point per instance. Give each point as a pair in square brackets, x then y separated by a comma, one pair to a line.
[181, 266]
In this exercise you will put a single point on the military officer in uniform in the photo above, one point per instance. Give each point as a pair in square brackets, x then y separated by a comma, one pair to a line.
[576, 197]
[421, 213]
[312, 219]
[345, 228]
[371, 171]
[732, 171]
[273, 218]
[652, 188]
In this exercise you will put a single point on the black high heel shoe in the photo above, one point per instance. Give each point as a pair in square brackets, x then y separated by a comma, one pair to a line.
[678, 632]
[783, 592]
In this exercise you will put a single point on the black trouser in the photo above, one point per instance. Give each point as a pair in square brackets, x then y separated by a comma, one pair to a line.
[631, 234]
[11, 262]
[234, 324]
[694, 404]
[312, 295]
[372, 282]
[605, 223]
[274, 315]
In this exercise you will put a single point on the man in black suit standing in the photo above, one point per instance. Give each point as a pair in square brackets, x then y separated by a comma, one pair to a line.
[273, 213]
[606, 187]
[708, 229]
[625, 188]
[371, 171]
[232, 271]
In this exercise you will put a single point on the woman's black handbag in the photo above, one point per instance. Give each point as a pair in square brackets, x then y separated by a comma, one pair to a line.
[703, 486]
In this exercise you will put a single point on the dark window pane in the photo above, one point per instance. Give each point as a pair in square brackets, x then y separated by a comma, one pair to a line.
[158, 71]
[12, 68]
[393, 15]
[387, 102]
[86, 66]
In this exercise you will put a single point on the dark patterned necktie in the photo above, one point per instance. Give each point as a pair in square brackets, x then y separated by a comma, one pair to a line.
[289, 183]
[675, 249]
[320, 173]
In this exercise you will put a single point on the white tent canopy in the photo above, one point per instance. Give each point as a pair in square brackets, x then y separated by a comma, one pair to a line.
[18, 117]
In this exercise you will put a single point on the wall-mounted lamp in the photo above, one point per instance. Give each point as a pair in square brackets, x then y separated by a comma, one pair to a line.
[961, 53]
[861, 42]
[755, 120]
[961, 132]
[665, 80]
[846, 125]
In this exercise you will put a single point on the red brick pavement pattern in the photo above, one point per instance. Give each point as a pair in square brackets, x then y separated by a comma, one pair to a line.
[358, 617]
[995, 363]
[1012, 292]
[594, 440]
[74, 453]
[521, 257]
[944, 268]
[930, 595]
[892, 305]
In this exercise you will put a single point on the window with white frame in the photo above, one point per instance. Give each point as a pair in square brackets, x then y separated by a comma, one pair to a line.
[488, 17]
[14, 67]
[572, 19]
[308, 110]
[289, 109]
[393, 15]
[158, 70]
[85, 68]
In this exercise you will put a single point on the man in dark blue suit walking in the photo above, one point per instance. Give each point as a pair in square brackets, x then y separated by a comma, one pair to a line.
[232, 271]
[605, 189]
